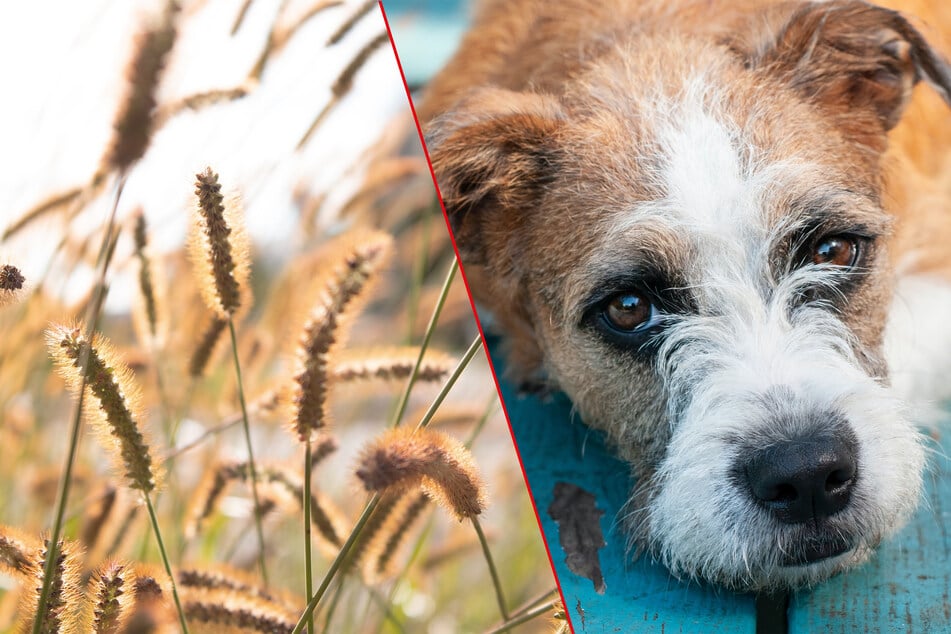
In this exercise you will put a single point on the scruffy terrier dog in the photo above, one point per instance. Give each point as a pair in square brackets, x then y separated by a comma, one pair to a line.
[723, 228]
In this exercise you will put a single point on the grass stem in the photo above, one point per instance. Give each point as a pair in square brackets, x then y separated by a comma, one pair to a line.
[251, 466]
[430, 329]
[337, 563]
[308, 569]
[496, 581]
[92, 319]
[168, 566]
[525, 617]
[444, 392]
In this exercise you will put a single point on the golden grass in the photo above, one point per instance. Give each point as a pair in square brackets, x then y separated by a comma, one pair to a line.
[349, 329]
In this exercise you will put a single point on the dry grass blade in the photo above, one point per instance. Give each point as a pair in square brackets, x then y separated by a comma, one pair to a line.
[402, 458]
[50, 204]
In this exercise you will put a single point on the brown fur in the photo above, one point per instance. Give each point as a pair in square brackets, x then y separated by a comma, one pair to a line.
[508, 103]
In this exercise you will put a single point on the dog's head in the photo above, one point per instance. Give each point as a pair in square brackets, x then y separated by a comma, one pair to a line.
[690, 241]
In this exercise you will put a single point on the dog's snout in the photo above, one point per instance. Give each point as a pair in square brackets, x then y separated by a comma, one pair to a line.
[804, 480]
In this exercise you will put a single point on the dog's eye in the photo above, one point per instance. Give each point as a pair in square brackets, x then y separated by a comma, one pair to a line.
[628, 311]
[837, 250]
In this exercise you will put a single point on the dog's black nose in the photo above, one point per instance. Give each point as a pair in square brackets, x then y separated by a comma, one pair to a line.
[805, 479]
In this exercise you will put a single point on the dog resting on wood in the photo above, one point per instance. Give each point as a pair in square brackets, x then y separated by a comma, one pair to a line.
[723, 228]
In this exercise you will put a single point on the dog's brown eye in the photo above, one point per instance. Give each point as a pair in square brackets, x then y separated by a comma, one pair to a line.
[836, 250]
[628, 311]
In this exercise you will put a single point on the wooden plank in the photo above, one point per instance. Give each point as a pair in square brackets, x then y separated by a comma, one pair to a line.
[906, 586]
[640, 596]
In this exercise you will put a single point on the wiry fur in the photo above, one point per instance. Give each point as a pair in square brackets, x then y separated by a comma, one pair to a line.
[585, 148]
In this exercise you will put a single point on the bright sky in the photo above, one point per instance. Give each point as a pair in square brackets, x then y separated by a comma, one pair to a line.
[63, 64]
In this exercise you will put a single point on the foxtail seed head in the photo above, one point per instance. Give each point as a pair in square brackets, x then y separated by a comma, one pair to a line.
[11, 283]
[440, 465]
[112, 591]
[218, 246]
[19, 553]
[345, 284]
[146, 316]
[135, 120]
[109, 385]
[64, 613]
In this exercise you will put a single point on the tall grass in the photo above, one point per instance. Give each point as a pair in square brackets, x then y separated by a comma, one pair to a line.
[368, 472]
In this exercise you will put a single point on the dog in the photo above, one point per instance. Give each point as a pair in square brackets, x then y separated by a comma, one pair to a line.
[722, 228]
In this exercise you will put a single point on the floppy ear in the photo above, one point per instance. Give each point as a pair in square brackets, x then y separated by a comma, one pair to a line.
[493, 155]
[856, 60]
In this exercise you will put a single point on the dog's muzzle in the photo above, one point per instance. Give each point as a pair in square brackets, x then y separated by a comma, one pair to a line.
[802, 482]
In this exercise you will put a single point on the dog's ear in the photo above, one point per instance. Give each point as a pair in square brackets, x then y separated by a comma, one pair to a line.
[493, 155]
[856, 60]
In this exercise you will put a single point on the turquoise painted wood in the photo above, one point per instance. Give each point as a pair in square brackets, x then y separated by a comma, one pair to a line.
[905, 588]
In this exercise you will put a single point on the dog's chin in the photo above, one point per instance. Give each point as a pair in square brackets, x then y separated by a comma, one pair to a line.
[803, 572]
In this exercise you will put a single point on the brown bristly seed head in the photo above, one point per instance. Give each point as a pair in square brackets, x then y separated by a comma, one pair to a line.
[135, 118]
[223, 578]
[207, 494]
[236, 614]
[345, 284]
[64, 607]
[218, 247]
[19, 553]
[344, 82]
[147, 305]
[379, 555]
[11, 283]
[201, 355]
[324, 515]
[403, 458]
[109, 384]
[347, 26]
[378, 519]
[391, 364]
[112, 590]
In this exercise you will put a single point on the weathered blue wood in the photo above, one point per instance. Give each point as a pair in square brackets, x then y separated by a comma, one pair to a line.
[426, 34]
[640, 596]
[906, 587]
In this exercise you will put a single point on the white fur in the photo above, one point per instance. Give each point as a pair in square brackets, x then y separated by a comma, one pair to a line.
[918, 339]
[748, 341]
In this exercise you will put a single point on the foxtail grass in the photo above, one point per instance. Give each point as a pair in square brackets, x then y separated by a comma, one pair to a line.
[401, 459]
[134, 121]
[91, 368]
[342, 287]
[221, 255]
